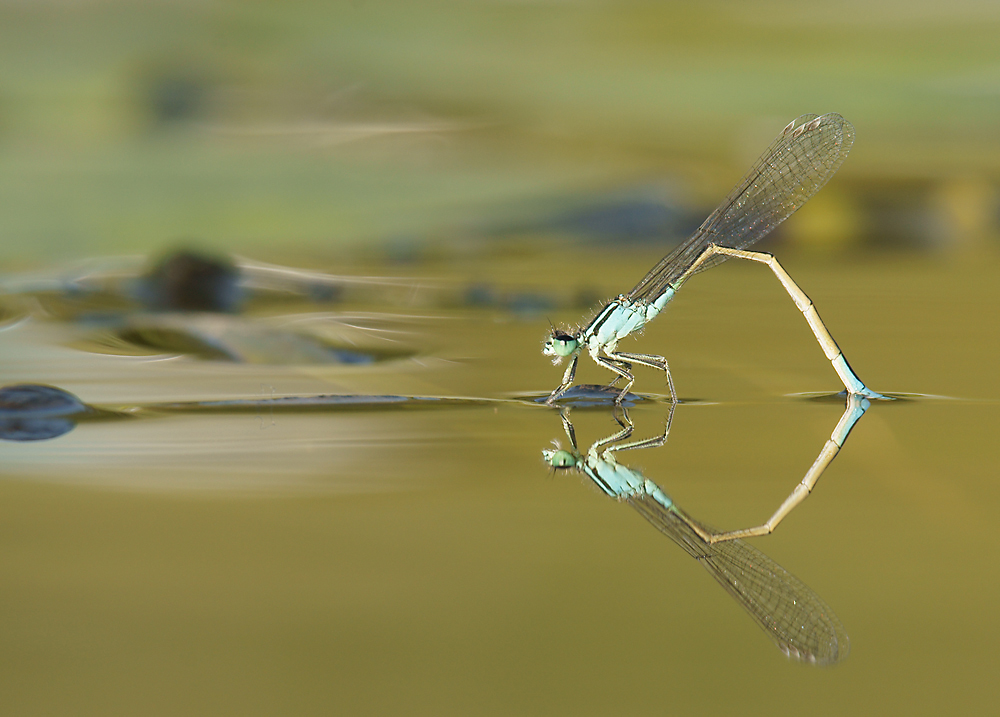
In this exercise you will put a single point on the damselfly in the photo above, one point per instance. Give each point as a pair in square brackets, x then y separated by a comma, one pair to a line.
[796, 165]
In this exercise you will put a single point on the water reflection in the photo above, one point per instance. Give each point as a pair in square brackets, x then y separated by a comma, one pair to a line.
[187, 280]
[799, 622]
[34, 412]
[217, 308]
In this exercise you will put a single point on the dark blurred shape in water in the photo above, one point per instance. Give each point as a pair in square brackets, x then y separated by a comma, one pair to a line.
[642, 214]
[921, 214]
[590, 394]
[481, 295]
[240, 340]
[628, 219]
[188, 280]
[903, 217]
[529, 303]
[403, 249]
[33, 412]
[185, 304]
[36, 400]
[176, 340]
[173, 96]
[34, 429]
[521, 303]
[9, 313]
[184, 280]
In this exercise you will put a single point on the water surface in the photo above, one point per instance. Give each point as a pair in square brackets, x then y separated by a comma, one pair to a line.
[203, 545]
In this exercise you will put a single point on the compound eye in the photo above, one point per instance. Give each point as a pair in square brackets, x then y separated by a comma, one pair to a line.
[560, 459]
[563, 344]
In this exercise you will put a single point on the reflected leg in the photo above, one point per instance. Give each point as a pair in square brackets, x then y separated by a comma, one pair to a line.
[856, 407]
[652, 442]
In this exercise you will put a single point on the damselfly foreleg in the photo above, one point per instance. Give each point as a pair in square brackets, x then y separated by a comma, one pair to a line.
[567, 379]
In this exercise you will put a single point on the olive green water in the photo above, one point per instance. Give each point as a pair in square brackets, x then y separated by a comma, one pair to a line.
[425, 560]
[201, 547]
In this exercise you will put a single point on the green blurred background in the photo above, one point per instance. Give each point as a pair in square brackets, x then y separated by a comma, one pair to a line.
[265, 127]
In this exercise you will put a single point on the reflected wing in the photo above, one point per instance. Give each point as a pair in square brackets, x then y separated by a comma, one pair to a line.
[796, 619]
[796, 166]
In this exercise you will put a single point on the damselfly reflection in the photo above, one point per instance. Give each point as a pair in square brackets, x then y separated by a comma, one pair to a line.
[799, 622]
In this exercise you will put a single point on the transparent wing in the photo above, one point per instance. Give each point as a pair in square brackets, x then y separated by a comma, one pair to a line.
[796, 166]
[796, 619]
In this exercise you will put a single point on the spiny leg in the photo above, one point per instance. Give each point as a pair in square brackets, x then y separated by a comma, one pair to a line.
[567, 380]
[852, 383]
[568, 426]
[652, 442]
[625, 432]
[618, 377]
[613, 365]
[623, 420]
[856, 407]
[653, 362]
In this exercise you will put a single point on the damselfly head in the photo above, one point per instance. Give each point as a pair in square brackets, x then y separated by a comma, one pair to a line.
[560, 344]
[559, 458]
